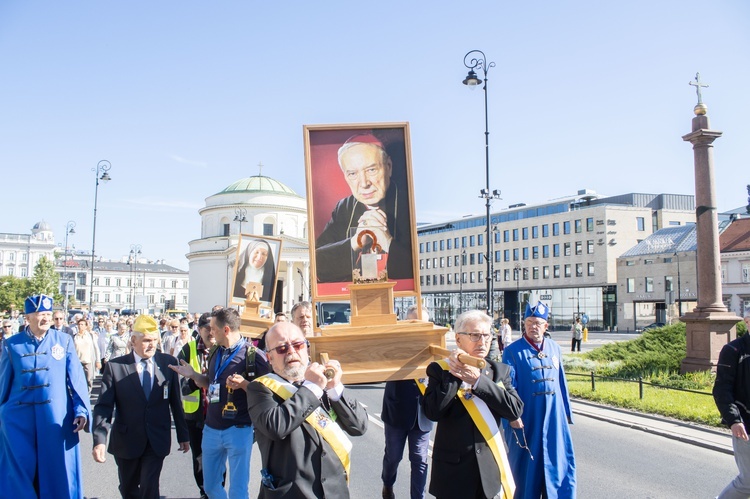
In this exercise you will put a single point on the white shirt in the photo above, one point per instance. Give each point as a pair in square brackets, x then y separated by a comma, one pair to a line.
[139, 367]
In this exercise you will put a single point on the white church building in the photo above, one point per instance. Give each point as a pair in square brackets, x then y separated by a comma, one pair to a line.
[260, 206]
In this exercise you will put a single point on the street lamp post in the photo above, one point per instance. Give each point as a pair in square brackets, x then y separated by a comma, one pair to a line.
[135, 252]
[69, 229]
[517, 272]
[239, 216]
[461, 282]
[476, 59]
[104, 166]
[679, 286]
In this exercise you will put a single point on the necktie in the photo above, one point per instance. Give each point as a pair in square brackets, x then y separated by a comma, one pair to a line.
[146, 379]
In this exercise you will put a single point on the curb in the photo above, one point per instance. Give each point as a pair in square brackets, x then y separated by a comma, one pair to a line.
[693, 434]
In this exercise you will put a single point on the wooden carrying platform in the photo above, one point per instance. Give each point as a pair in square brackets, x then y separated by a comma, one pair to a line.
[372, 354]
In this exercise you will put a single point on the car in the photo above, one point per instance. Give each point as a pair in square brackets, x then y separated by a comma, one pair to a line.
[653, 325]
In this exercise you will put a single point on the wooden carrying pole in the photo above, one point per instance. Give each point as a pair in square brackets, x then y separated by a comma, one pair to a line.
[465, 358]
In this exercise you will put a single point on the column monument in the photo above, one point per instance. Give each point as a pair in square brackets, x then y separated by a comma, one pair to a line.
[709, 326]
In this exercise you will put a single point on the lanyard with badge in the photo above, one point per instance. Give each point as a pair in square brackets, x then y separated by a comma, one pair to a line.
[214, 389]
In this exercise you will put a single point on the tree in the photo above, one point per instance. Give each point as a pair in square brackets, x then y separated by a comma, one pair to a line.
[13, 291]
[45, 280]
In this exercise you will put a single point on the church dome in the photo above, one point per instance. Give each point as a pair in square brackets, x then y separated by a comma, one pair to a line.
[257, 184]
[41, 226]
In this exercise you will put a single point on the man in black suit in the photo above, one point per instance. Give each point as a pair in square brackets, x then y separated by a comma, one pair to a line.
[139, 387]
[467, 404]
[299, 415]
[404, 419]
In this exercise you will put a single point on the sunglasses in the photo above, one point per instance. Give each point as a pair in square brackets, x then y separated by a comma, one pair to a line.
[284, 349]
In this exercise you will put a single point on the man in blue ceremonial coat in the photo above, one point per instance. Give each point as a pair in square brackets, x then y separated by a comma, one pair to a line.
[543, 432]
[43, 405]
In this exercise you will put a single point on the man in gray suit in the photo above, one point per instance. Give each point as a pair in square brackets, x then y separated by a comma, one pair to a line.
[300, 417]
[139, 387]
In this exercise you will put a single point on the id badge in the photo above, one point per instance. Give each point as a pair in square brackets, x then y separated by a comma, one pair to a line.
[166, 392]
[214, 393]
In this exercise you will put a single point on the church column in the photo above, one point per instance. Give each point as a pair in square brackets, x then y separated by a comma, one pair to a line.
[291, 279]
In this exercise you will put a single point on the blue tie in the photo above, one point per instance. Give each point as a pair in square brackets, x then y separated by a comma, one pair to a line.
[146, 379]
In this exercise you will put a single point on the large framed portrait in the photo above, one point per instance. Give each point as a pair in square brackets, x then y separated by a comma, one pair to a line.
[256, 268]
[360, 202]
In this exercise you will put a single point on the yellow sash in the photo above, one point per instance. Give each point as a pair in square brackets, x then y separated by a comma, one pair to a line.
[319, 419]
[485, 422]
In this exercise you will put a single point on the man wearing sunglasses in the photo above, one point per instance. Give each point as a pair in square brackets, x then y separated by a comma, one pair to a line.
[468, 403]
[301, 416]
[58, 323]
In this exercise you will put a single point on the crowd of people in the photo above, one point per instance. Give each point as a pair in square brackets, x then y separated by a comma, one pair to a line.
[502, 427]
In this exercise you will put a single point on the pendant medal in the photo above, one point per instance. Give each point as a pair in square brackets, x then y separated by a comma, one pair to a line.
[541, 355]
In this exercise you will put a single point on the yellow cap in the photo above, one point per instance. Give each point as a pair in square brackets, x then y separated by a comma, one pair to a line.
[145, 324]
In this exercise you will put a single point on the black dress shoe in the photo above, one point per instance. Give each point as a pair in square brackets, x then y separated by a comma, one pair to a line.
[388, 493]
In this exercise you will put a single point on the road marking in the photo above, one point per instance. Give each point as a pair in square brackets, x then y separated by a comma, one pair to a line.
[379, 422]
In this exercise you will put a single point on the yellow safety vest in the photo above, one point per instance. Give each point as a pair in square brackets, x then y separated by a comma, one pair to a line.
[191, 403]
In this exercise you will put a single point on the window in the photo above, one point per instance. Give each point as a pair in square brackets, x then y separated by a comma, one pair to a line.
[515, 234]
[535, 273]
[434, 263]
[442, 262]
[640, 223]
[448, 244]
[515, 254]
[591, 268]
[555, 229]
[525, 233]
[448, 278]
[497, 235]
[579, 247]
[151, 283]
[455, 261]
[555, 250]
[427, 248]
[463, 258]
[184, 299]
[566, 249]
[421, 247]
[106, 297]
[151, 299]
[589, 225]
[95, 297]
[506, 236]
[267, 229]
[472, 259]
[556, 271]
[535, 252]
[579, 226]
[672, 222]
[472, 240]
[631, 285]
[535, 232]
[429, 280]
[24, 272]
[471, 277]
[226, 230]
[669, 283]
[442, 244]
[649, 284]
[455, 242]
[545, 230]
[480, 258]
[545, 251]
[506, 274]
[106, 281]
[526, 253]
[525, 274]
[545, 272]
[498, 256]
[746, 272]
[24, 257]
[421, 264]
[117, 283]
[480, 276]
[480, 239]
[630, 263]
[579, 270]
[434, 245]
[185, 284]
[566, 227]
[463, 241]
[590, 246]
[567, 270]
[506, 255]
[455, 277]
[449, 261]
[427, 263]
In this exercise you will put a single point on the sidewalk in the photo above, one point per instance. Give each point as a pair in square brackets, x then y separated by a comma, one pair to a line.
[691, 433]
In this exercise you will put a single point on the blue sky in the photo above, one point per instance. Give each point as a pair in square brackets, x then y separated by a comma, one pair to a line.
[185, 97]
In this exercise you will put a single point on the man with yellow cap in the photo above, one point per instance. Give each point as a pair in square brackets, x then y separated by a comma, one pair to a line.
[43, 405]
[142, 389]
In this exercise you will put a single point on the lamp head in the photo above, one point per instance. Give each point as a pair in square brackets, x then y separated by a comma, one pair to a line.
[472, 79]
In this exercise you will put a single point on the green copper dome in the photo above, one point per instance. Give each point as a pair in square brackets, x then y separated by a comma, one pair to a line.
[259, 183]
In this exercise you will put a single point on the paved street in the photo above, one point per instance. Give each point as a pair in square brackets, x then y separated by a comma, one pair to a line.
[613, 462]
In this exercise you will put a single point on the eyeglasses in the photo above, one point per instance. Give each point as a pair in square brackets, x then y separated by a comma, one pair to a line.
[7, 327]
[477, 336]
[284, 349]
[58, 318]
[174, 327]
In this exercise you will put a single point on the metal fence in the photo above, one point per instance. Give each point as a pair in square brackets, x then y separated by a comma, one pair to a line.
[640, 382]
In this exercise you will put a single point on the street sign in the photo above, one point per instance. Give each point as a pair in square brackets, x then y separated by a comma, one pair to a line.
[585, 319]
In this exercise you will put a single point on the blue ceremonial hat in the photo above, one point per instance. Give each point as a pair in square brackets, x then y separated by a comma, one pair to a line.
[540, 310]
[37, 303]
